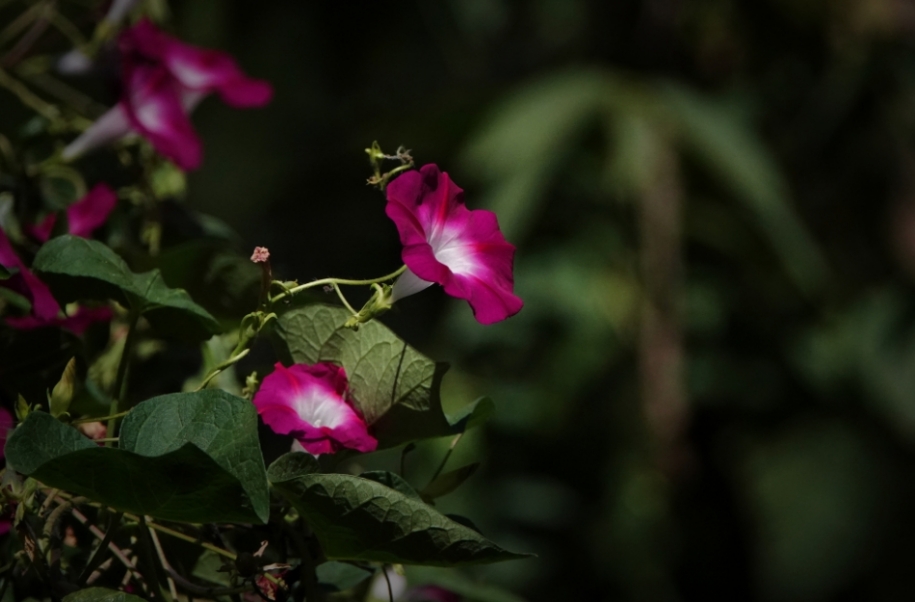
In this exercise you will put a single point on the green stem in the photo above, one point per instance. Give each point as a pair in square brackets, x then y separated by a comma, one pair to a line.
[218, 369]
[183, 536]
[99, 418]
[343, 299]
[120, 383]
[441, 466]
[337, 281]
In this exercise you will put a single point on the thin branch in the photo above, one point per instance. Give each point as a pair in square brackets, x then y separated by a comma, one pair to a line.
[118, 553]
[165, 565]
[28, 40]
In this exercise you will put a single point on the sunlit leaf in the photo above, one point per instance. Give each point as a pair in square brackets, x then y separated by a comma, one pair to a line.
[395, 387]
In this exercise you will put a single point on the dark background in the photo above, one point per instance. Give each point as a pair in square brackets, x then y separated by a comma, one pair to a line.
[777, 135]
[798, 432]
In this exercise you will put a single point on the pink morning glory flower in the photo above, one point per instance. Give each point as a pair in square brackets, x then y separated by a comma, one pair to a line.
[83, 217]
[164, 80]
[310, 403]
[448, 244]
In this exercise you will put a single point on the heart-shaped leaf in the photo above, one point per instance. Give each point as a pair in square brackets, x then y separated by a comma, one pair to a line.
[395, 387]
[222, 425]
[79, 269]
[188, 457]
[361, 519]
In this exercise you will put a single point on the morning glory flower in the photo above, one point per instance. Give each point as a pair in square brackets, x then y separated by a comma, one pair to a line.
[165, 79]
[83, 216]
[310, 403]
[448, 244]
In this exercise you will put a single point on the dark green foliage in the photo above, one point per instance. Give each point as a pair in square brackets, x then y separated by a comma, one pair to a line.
[361, 519]
[188, 456]
[81, 269]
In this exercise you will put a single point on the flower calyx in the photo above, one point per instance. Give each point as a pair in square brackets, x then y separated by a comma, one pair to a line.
[381, 301]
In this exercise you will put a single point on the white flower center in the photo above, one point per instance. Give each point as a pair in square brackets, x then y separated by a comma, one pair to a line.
[319, 408]
[451, 250]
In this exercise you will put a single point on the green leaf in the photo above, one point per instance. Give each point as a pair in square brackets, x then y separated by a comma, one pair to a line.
[360, 519]
[187, 457]
[291, 465]
[14, 299]
[220, 424]
[4, 273]
[393, 481]
[395, 387]
[78, 269]
[447, 482]
[101, 594]
[340, 576]
[209, 567]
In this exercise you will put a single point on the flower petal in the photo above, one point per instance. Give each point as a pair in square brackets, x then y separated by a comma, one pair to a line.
[108, 128]
[44, 306]
[308, 402]
[6, 424]
[78, 323]
[198, 69]
[153, 105]
[91, 211]
[408, 284]
[446, 243]
[83, 216]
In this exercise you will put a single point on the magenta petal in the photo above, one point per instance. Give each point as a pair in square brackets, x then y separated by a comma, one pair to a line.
[432, 593]
[444, 242]
[153, 106]
[44, 306]
[6, 424]
[144, 39]
[91, 211]
[78, 323]
[42, 230]
[309, 402]
[214, 71]
[83, 216]
[194, 68]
